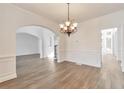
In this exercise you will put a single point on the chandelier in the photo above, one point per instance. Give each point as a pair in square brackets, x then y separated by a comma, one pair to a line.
[69, 26]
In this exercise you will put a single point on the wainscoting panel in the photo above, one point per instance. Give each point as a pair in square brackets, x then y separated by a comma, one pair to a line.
[89, 57]
[7, 68]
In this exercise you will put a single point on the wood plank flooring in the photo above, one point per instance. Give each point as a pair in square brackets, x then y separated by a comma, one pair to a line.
[34, 73]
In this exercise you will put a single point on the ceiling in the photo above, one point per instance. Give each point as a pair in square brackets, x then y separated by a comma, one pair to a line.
[78, 11]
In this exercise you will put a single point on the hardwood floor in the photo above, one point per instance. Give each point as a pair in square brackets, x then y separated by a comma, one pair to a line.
[34, 72]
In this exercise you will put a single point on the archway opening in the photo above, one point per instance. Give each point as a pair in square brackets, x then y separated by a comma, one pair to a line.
[47, 42]
[35, 47]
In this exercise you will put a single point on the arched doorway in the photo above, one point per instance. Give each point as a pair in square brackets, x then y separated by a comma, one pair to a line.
[47, 40]
[35, 47]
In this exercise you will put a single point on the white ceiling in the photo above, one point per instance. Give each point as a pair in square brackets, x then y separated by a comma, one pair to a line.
[79, 12]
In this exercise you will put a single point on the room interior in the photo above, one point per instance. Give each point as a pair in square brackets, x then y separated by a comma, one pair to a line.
[61, 46]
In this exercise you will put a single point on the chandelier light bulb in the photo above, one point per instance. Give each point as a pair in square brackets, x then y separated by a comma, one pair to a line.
[61, 25]
[67, 23]
[65, 28]
[75, 24]
[72, 27]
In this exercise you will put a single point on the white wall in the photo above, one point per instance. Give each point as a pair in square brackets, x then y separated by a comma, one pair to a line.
[12, 18]
[48, 38]
[62, 48]
[84, 46]
[26, 44]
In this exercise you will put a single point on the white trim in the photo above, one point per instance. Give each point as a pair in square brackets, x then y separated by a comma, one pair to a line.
[7, 77]
[60, 61]
[122, 68]
[3, 57]
[88, 64]
[6, 58]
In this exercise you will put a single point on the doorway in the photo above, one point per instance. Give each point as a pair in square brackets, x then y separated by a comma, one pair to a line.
[35, 46]
[45, 42]
[109, 46]
[109, 41]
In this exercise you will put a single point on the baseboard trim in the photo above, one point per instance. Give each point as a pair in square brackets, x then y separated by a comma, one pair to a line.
[60, 60]
[28, 54]
[122, 68]
[7, 77]
[77, 63]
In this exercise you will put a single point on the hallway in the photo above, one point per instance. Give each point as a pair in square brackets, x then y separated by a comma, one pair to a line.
[34, 72]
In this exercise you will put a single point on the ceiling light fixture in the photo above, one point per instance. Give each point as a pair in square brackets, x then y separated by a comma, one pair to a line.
[69, 26]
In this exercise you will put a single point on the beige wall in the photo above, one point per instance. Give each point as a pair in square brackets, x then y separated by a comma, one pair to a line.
[11, 18]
